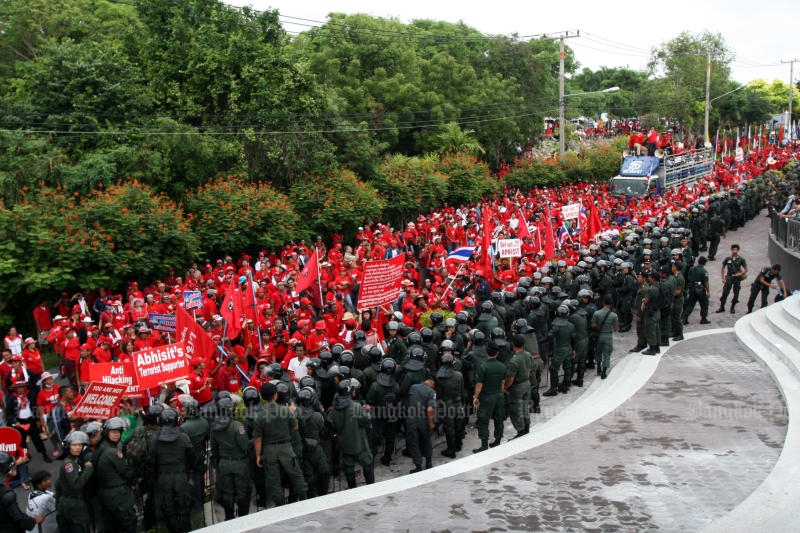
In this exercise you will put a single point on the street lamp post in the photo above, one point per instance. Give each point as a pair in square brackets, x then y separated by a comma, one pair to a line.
[562, 107]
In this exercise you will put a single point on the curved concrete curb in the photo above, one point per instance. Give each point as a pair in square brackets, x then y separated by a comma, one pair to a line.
[603, 396]
[772, 507]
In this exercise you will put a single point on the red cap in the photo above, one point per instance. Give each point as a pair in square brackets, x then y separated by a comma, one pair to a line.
[196, 360]
[305, 301]
[351, 322]
[303, 323]
[320, 324]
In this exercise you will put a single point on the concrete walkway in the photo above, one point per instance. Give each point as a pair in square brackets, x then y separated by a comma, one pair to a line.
[684, 450]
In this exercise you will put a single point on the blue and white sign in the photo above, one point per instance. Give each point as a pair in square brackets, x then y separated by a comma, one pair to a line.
[192, 300]
[164, 323]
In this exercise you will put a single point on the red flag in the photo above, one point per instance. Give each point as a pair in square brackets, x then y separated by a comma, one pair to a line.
[231, 311]
[197, 340]
[250, 302]
[595, 226]
[549, 243]
[522, 227]
[486, 258]
[308, 275]
[780, 135]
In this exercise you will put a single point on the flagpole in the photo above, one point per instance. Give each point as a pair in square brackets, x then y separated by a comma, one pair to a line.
[319, 278]
[444, 294]
[255, 310]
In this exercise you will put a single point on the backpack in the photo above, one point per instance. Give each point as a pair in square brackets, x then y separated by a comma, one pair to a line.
[137, 452]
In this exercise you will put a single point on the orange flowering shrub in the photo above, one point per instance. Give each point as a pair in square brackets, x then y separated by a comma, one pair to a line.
[411, 184]
[52, 239]
[335, 201]
[230, 215]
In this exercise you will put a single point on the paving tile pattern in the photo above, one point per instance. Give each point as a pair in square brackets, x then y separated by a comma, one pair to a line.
[684, 450]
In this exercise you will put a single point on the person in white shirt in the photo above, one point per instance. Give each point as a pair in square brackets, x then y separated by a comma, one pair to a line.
[297, 364]
[42, 502]
[13, 341]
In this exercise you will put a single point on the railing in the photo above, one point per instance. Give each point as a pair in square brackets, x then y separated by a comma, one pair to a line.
[786, 231]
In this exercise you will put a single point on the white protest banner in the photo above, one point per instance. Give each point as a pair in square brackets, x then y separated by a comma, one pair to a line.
[509, 247]
[571, 211]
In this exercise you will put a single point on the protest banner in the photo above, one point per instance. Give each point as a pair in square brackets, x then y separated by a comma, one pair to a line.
[571, 211]
[116, 374]
[509, 247]
[101, 401]
[192, 300]
[164, 364]
[381, 282]
[164, 323]
[10, 440]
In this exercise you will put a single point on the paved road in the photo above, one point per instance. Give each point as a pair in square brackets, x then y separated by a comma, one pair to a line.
[685, 449]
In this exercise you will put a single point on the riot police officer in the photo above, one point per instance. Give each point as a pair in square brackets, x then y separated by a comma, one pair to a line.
[230, 447]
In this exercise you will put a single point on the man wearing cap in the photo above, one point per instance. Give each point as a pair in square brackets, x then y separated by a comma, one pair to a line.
[488, 398]
[517, 386]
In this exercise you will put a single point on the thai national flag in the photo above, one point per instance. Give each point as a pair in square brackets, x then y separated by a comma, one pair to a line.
[461, 255]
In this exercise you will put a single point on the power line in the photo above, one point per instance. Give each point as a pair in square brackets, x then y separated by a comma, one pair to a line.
[286, 132]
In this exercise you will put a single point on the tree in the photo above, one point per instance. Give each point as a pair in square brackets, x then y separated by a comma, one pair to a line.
[680, 68]
[454, 139]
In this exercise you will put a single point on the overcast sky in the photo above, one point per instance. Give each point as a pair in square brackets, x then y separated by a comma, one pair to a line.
[751, 28]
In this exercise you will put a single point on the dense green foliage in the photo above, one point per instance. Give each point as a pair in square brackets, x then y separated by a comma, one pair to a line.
[135, 134]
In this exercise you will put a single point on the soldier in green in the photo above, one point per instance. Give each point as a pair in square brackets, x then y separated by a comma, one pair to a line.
[638, 312]
[580, 319]
[72, 512]
[415, 371]
[497, 309]
[451, 393]
[716, 230]
[351, 421]
[115, 476]
[196, 427]
[473, 358]
[371, 372]
[252, 407]
[486, 319]
[626, 295]
[173, 457]
[397, 347]
[230, 447]
[420, 423]
[517, 386]
[605, 321]
[563, 335]
[273, 446]
[136, 449]
[488, 399]
[676, 319]
[698, 291]
[737, 270]
[668, 288]
[316, 468]
[538, 319]
[383, 399]
[651, 307]
[499, 339]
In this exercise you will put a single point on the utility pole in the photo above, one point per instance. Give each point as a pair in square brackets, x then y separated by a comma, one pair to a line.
[562, 99]
[791, 96]
[708, 95]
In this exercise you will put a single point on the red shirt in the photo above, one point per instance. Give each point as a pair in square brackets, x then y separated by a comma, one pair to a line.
[198, 381]
[47, 399]
[33, 361]
[42, 317]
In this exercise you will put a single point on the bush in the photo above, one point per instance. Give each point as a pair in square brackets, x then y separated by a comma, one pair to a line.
[411, 184]
[575, 167]
[468, 179]
[534, 172]
[230, 215]
[52, 240]
[335, 201]
[603, 161]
